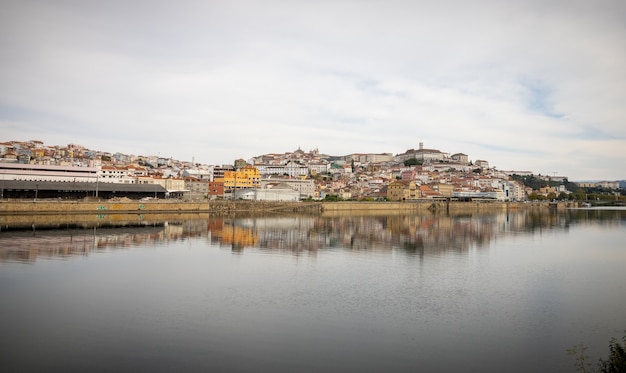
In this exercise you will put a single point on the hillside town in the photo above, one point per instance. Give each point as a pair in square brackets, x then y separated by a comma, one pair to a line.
[73, 171]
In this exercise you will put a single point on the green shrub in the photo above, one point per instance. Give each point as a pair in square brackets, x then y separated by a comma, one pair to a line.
[615, 363]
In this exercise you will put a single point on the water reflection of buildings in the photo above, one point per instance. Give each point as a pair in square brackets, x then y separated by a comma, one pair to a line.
[28, 246]
[418, 234]
[383, 233]
[413, 234]
[231, 234]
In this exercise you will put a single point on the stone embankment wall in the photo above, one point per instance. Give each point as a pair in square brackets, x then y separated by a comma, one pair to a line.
[437, 207]
[147, 207]
[20, 221]
[229, 207]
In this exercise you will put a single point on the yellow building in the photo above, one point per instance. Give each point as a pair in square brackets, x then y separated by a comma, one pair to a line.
[244, 178]
[445, 189]
[37, 153]
[401, 190]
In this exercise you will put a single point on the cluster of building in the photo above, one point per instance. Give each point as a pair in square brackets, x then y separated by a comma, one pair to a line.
[293, 176]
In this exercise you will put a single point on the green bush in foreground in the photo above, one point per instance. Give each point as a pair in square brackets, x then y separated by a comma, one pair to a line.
[615, 363]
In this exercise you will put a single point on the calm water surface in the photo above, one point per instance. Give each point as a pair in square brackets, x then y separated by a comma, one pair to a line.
[482, 293]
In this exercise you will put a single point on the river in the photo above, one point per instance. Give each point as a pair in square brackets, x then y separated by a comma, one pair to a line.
[403, 293]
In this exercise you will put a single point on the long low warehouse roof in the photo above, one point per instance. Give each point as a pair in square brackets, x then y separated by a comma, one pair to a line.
[80, 186]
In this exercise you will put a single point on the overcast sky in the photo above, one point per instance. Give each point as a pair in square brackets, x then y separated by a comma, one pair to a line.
[534, 85]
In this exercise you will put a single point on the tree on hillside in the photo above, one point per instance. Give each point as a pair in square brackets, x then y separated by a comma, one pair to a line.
[412, 162]
[532, 181]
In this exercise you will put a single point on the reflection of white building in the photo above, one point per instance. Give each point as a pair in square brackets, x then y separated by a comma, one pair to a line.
[33, 172]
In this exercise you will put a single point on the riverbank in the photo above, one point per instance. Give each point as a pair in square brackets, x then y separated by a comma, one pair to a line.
[228, 207]
[144, 207]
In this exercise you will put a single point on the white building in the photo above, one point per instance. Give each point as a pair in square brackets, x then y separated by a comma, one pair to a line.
[371, 157]
[318, 167]
[290, 168]
[495, 194]
[460, 157]
[112, 174]
[306, 188]
[275, 194]
[422, 155]
[202, 174]
[515, 191]
[441, 167]
[31, 172]
[601, 184]
[481, 163]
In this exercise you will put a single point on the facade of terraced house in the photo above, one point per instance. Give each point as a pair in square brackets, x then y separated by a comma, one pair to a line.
[402, 190]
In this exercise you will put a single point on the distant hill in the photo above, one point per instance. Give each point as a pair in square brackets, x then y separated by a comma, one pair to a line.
[622, 184]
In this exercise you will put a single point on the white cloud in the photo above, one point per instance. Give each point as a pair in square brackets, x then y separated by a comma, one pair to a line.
[524, 84]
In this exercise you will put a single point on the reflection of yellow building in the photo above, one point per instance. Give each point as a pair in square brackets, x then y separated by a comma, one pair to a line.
[236, 236]
[239, 237]
[244, 178]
